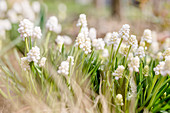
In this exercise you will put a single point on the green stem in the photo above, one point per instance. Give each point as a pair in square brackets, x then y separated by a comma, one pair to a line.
[116, 52]
[111, 54]
[26, 45]
[47, 41]
[127, 57]
[126, 88]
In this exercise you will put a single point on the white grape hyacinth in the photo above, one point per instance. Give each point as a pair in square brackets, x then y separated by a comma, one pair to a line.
[124, 32]
[33, 54]
[25, 64]
[130, 56]
[83, 43]
[115, 40]
[36, 33]
[105, 53]
[119, 72]
[25, 28]
[42, 62]
[82, 20]
[67, 40]
[60, 41]
[124, 49]
[147, 36]
[85, 31]
[107, 38]
[98, 44]
[134, 64]
[64, 68]
[140, 52]
[70, 59]
[166, 69]
[159, 56]
[119, 99]
[80, 40]
[159, 68]
[53, 25]
[92, 33]
[166, 53]
[87, 46]
[36, 6]
[133, 41]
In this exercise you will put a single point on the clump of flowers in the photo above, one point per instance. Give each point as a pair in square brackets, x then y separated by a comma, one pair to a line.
[134, 64]
[98, 44]
[124, 32]
[147, 36]
[159, 67]
[64, 67]
[105, 53]
[25, 28]
[119, 72]
[140, 52]
[124, 49]
[166, 53]
[33, 54]
[82, 20]
[119, 100]
[53, 25]
[92, 33]
[166, 68]
[83, 41]
[133, 41]
[36, 33]
[42, 62]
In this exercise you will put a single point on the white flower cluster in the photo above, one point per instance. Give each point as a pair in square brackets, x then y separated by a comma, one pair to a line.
[163, 67]
[3, 7]
[134, 64]
[53, 25]
[115, 40]
[140, 52]
[27, 29]
[63, 40]
[19, 10]
[147, 36]
[36, 33]
[82, 20]
[159, 68]
[92, 33]
[98, 44]
[133, 41]
[64, 67]
[124, 32]
[32, 56]
[124, 49]
[166, 68]
[107, 38]
[119, 72]
[105, 53]
[119, 99]
[83, 41]
[42, 62]
[166, 53]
